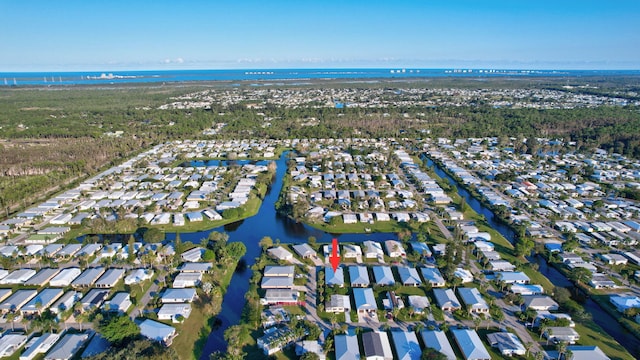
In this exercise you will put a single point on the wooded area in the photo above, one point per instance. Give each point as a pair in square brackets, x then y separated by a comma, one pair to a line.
[50, 137]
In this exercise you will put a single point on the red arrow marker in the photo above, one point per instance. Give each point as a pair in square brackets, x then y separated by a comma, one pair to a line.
[334, 258]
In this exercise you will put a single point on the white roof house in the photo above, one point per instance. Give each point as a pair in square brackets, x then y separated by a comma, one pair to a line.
[406, 345]
[376, 346]
[515, 277]
[338, 303]
[470, 344]
[65, 302]
[18, 277]
[279, 271]
[174, 312]
[438, 340]
[280, 253]
[419, 303]
[581, 352]
[304, 251]
[120, 302]
[507, 343]
[276, 282]
[138, 275]
[193, 255]
[372, 249]
[394, 248]
[67, 347]
[465, 275]
[178, 295]
[539, 302]
[65, 277]
[41, 345]
[567, 334]
[157, 331]
[184, 280]
[10, 343]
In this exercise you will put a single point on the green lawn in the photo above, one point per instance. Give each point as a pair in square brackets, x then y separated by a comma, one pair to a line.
[592, 334]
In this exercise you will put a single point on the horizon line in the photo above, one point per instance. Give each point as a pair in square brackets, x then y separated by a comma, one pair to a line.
[406, 68]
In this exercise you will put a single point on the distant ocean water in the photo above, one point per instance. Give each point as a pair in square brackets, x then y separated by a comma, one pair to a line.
[172, 76]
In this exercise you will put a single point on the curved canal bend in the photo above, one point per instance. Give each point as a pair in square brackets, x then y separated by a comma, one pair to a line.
[249, 231]
[607, 322]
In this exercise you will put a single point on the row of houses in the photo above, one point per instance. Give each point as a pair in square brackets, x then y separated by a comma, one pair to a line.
[377, 345]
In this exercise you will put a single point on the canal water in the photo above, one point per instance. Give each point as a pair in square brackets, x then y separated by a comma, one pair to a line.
[249, 231]
[607, 322]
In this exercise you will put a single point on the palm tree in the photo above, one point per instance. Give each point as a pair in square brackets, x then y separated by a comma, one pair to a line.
[562, 348]
[11, 316]
[568, 354]
[527, 347]
[477, 321]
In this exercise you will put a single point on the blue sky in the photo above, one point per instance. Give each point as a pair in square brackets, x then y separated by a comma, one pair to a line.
[44, 35]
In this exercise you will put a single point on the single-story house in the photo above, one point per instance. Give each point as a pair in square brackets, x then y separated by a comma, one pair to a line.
[94, 299]
[372, 249]
[185, 280]
[557, 334]
[178, 295]
[138, 275]
[359, 276]
[280, 253]
[437, 340]
[346, 347]
[174, 312]
[406, 345]
[334, 278]
[507, 343]
[110, 278]
[539, 302]
[470, 344]
[376, 346]
[624, 302]
[433, 276]
[120, 303]
[42, 301]
[67, 347]
[409, 276]
[419, 303]
[364, 300]
[338, 303]
[394, 248]
[446, 299]
[157, 331]
[473, 300]
[304, 251]
[383, 275]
